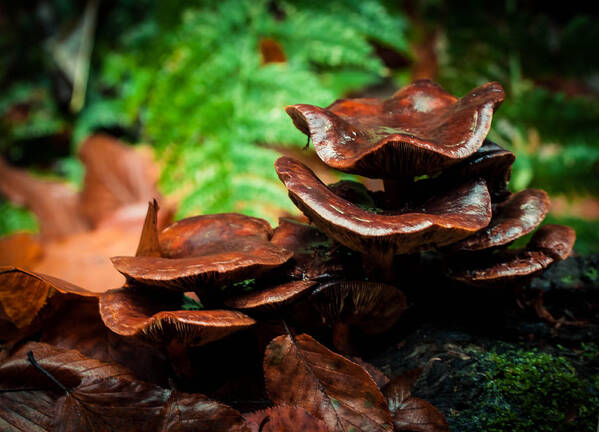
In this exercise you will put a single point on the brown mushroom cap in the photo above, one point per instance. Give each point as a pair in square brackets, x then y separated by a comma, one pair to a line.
[439, 221]
[131, 312]
[549, 244]
[210, 234]
[517, 216]
[555, 241]
[491, 162]
[270, 297]
[419, 130]
[371, 306]
[251, 259]
[314, 254]
[203, 252]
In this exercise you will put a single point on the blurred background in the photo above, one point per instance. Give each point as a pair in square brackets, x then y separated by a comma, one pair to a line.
[203, 85]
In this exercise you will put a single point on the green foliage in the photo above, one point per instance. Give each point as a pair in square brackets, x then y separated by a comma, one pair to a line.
[529, 390]
[191, 304]
[204, 98]
[27, 112]
[16, 219]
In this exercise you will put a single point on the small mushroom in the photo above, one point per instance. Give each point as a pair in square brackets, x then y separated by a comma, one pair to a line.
[204, 252]
[421, 129]
[270, 298]
[513, 218]
[438, 221]
[491, 162]
[368, 306]
[549, 244]
[131, 311]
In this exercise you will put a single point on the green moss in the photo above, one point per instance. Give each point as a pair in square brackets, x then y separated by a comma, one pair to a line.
[531, 391]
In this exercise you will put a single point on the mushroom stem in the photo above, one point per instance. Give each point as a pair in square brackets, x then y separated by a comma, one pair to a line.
[394, 188]
[378, 265]
[177, 353]
[341, 338]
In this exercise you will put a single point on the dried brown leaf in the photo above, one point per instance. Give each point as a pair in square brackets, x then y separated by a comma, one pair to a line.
[115, 176]
[411, 413]
[300, 371]
[283, 418]
[54, 203]
[100, 397]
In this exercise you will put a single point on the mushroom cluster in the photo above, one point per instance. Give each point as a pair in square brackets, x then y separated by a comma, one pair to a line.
[445, 191]
[445, 185]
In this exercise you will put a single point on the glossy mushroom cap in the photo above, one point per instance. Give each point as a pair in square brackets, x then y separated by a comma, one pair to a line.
[158, 319]
[421, 129]
[549, 244]
[512, 219]
[439, 221]
[272, 297]
[206, 251]
[491, 162]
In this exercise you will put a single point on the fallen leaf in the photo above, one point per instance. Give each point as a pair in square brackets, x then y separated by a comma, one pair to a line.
[300, 371]
[24, 293]
[283, 418]
[95, 396]
[116, 176]
[411, 413]
[54, 203]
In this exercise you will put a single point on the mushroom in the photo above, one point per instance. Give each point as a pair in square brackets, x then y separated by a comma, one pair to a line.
[203, 252]
[371, 307]
[132, 311]
[270, 298]
[549, 244]
[420, 130]
[491, 162]
[441, 220]
[513, 218]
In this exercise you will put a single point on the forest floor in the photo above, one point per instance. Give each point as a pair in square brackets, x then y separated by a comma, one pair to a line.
[492, 365]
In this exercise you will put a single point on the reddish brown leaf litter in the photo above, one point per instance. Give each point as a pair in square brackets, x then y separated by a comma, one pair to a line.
[284, 418]
[23, 294]
[411, 413]
[299, 371]
[80, 231]
[97, 396]
[55, 204]
[116, 176]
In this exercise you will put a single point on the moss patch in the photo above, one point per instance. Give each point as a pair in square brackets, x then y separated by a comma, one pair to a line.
[528, 390]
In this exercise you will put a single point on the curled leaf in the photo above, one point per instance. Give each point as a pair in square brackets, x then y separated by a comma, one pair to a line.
[24, 293]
